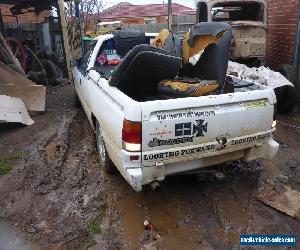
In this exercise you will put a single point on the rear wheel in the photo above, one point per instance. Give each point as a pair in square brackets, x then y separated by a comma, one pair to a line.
[105, 161]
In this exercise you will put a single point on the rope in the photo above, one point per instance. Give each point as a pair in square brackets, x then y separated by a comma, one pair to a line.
[288, 125]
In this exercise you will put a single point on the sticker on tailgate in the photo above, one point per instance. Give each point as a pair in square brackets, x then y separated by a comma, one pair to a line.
[213, 146]
[188, 114]
[186, 132]
[256, 104]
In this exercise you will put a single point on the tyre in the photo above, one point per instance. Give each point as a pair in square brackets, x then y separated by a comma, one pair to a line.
[59, 71]
[105, 161]
[286, 99]
[288, 71]
[51, 71]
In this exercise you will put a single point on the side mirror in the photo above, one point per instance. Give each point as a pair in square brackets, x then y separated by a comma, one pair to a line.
[74, 62]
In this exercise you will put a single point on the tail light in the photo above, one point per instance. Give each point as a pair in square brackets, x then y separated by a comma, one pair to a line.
[132, 135]
[274, 116]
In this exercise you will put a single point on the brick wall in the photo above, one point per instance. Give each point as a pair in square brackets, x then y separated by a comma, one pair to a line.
[160, 19]
[133, 20]
[282, 28]
[29, 17]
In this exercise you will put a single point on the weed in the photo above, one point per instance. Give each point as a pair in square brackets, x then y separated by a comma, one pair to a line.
[4, 168]
[94, 228]
[18, 155]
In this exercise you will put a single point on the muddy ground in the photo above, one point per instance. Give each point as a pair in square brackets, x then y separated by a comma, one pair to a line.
[54, 189]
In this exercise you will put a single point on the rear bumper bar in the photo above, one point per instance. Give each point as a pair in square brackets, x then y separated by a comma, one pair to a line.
[138, 175]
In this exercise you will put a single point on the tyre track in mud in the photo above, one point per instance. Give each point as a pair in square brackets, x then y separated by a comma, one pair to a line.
[58, 188]
[207, 214]
[59, 194]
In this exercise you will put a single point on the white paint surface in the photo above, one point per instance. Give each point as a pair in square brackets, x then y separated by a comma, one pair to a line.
[13, 110]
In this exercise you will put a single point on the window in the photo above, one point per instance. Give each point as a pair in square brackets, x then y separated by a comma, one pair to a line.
[238, 11]
[150, 20]
[84, 60]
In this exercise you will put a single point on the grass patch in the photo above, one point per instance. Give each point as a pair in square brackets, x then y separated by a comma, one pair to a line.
[4, 168]
[94, 228]
[16, 156]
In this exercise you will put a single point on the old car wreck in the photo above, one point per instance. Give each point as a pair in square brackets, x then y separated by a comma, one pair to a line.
[248, 20]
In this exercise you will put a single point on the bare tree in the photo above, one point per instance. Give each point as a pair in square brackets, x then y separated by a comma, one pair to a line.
[69, 6]
[90, 10]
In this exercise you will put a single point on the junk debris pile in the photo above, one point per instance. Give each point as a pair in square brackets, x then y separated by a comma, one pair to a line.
[285, 91]
[18, 94]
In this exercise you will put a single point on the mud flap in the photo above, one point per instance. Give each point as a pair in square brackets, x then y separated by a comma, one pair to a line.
[160, 170]
[266, 151]
[135, 178]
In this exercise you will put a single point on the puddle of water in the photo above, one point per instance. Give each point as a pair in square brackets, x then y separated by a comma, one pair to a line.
[185, 215]
[51, 151]
[271, 169]
[133, 218]
[12, 239]
[137, 207]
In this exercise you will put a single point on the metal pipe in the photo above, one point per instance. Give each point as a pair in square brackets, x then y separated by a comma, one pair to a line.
[170, 14]
[297, 51]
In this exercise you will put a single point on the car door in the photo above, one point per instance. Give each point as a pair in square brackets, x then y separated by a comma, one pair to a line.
[81, 76]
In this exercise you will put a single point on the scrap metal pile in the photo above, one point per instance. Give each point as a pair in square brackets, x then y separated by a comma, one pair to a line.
[18, 94]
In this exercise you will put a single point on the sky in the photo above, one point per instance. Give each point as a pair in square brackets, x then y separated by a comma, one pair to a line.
[189, 3]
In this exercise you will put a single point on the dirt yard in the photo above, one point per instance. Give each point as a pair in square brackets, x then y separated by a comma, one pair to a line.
[55, 191]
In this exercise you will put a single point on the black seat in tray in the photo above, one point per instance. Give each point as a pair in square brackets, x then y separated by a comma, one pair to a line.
[143, 68]
[213, 62]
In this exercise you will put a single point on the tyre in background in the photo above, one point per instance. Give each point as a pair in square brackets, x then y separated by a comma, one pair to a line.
[286, 99]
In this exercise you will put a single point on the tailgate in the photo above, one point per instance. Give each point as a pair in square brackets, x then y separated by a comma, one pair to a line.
[167, 127]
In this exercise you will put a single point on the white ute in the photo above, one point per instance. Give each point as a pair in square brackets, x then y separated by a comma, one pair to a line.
[147, 140]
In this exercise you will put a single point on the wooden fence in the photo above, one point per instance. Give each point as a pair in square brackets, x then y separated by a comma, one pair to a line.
[179, 25]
